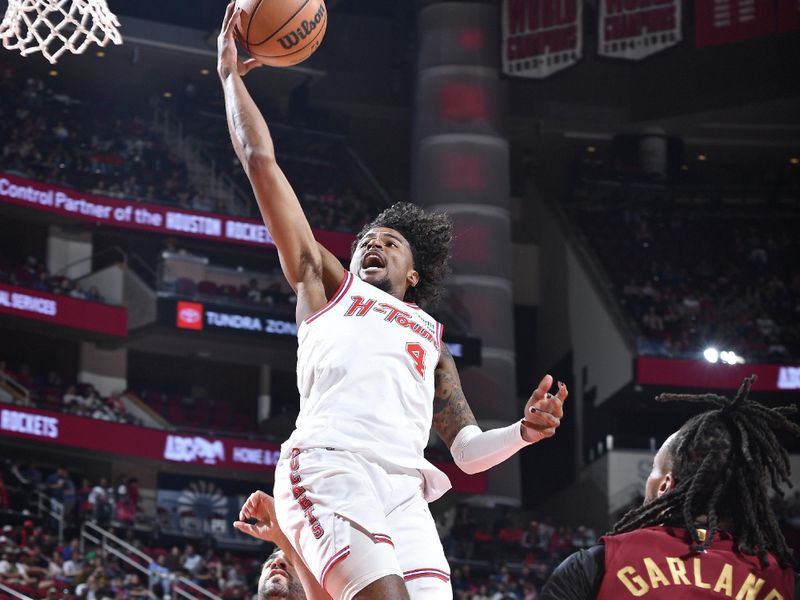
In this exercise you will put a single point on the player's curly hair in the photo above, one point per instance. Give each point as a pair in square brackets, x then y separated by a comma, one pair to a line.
[724, 461]
[430, 235]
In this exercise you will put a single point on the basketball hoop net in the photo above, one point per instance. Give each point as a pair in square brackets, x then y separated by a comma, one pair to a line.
[53, 27]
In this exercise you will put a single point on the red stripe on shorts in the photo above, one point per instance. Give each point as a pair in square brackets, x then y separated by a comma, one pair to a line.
[417, 573]
[382, 537]
[332, 562]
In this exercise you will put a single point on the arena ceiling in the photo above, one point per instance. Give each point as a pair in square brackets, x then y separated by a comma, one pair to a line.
[740, 98]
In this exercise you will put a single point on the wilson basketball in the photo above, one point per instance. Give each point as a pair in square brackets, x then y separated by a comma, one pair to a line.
[281, 33]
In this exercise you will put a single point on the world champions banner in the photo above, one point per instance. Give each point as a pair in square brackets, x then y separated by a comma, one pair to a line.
[635, 29]
[541, 37]
[726, 21]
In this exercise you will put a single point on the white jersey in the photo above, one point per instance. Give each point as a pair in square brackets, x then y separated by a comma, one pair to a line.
[365, 372]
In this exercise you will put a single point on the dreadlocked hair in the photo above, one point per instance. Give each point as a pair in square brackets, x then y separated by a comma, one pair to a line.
[724, 461]
[429, 234]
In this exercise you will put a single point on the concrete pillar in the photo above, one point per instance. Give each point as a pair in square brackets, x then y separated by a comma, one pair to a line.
[106, 370]
[461, 166]
[67, 248]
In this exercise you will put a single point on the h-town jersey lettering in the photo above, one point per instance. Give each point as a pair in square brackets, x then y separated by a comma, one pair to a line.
[365, 372]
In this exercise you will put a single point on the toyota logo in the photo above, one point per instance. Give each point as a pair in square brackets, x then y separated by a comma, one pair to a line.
[189, 315]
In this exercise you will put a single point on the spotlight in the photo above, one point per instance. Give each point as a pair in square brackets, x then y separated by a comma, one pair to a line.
[702, 157]
[711, 355]
[794, 160]
[99, 54]
[731, 358]
[204, 71]
[53, 73]
[591, 149]
[167, 94]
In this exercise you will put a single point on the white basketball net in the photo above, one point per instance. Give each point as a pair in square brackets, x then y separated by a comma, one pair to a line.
[53, 27]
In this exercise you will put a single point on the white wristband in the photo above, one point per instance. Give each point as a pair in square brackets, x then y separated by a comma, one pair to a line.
[475, 450]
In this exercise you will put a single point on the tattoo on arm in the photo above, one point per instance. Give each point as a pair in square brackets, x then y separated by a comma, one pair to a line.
[451, 413]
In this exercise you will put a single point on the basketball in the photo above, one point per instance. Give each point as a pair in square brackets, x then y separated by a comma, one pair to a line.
[281, 33]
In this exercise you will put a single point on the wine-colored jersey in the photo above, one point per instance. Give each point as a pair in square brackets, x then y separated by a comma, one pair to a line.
[655, 563]
[365, 372]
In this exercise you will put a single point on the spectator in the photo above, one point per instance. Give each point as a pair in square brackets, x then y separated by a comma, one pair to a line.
[72, 399]
[100, 501]
[190, 560]
[160, 577]
[72, 567]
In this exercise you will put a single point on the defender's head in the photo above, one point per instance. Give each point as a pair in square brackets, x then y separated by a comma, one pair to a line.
[279, 579]
[719, 469]
[404, 252]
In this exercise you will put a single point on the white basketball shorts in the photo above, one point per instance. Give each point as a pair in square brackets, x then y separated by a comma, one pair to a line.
[328, 502]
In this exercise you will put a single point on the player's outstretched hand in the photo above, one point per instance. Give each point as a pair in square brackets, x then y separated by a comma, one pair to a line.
[228, 60]
[543, 411]
[261, 508]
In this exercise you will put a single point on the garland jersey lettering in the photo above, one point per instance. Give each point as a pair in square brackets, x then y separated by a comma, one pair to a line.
[654, 562]
[365, 372]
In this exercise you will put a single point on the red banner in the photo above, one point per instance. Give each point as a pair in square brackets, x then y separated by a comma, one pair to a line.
[726, 21]
[788, 15]
[62, 310]
[541, 37]
[635, 30]
[702, 374]
[130, 214]
[167, 446]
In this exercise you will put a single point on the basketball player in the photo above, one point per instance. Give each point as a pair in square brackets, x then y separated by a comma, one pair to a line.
[352, 484]
[279, 580]
[706, 529]
[284, 572]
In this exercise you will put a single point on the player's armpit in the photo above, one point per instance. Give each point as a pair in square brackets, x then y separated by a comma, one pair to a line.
[332, 271]
[451, 413]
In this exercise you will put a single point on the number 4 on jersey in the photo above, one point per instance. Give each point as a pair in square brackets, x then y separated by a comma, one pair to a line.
[417, 354]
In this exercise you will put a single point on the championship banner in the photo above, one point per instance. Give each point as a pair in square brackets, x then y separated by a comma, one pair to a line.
[725, 21]
[541, 37]
[788, 15]
[635, 30]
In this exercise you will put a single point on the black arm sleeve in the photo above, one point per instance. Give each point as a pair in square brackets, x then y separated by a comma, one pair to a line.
[578, 577]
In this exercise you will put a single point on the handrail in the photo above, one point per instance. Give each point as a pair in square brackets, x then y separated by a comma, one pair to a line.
[52, 507]
[134, 258]
[385, 197]
[15, 593]
[103, 252]
[97, 535]
[108, 535]
[16, 387]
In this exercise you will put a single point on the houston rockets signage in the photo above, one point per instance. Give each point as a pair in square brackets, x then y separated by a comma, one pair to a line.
[635, 29]
[130, 214]
[221, 453]
[541, 37]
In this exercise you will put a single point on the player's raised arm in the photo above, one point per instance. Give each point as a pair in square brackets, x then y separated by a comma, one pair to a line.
[474, 450]
[299, 254]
